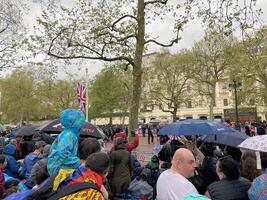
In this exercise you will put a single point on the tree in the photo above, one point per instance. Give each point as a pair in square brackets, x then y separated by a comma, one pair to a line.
[55, 96]
[116, 31]
[19, 102]
[168, 81]
[212, 56]
[255, 65]
[10, 27]
[109, 95]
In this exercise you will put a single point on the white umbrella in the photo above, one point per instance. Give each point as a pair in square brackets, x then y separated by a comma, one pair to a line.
[256, 143]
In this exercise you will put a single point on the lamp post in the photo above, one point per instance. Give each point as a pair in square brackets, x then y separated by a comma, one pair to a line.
[235, 86]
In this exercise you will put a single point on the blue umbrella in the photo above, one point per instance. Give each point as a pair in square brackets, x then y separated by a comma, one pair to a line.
[232, 139]
[194, 127]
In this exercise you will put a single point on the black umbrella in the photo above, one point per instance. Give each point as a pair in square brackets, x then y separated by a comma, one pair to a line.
[27, 130]
[87, 130]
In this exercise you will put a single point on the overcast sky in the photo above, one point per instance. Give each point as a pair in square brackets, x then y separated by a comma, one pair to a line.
[192, 32]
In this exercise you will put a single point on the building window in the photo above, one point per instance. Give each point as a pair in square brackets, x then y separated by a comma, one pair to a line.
[252, 102]
[224, 86]
[189, 104]
[225, 102]
[188, 88]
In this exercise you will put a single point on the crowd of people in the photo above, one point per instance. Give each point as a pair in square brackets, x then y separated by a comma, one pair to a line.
[182, 168]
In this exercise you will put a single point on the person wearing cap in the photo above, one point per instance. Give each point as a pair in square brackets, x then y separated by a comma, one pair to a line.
[140, 188]
[95, 171]
[39, 170]
[64, 149]
[30, 160]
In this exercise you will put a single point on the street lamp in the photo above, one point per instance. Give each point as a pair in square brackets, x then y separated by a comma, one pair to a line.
[235, 85]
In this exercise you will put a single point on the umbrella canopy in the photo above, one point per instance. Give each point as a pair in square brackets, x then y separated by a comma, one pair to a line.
[194, 127]
[27, 130]
[232, 139]
[87, 130]
[256, 143]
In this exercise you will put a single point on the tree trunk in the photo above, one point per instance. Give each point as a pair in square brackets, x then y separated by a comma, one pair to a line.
[110, 120]
[265, 102]
[137, 68]
[21, 119]
[212, 103]
[174, 115]
[123, 117]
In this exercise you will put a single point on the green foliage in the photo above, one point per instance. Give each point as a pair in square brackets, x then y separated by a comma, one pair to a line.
[168, 80]
[116, 30]
[109, 93]
[27, 95]
[254, 67]
[11, 30]
[19, 100]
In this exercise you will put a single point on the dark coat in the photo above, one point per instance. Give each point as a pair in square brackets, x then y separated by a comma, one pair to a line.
[120, 170]
[229, 189]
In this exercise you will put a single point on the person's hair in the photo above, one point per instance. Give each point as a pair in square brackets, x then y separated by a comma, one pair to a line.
[118, 130]
[234, 152]
[261, 131]
[98, 162]
[263, 160]
[207, 149]
[2, 159]
[250, 170]
[88, 146]
[248, 154]
[229, 167]
[13, 141]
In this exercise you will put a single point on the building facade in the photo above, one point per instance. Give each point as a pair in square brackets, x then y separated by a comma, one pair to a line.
[197, 106]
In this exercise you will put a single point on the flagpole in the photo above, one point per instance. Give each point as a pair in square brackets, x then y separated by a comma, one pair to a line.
[86, 85]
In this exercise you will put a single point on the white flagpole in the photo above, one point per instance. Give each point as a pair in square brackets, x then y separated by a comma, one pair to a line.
[86, 85]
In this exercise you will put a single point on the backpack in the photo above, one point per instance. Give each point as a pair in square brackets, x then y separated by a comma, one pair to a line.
[125, 196]
[46, 192]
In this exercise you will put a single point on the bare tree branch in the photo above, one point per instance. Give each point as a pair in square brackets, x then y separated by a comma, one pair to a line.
[99, 57]
[1, 31]
[163, 45]
[156, 1]
[121, 18]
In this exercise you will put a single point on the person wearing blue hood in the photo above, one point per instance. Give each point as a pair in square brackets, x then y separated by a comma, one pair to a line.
[12, 166]
[63, 152]
[30, 160]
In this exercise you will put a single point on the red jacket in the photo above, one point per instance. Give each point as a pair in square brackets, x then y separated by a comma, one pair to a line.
[129, 146]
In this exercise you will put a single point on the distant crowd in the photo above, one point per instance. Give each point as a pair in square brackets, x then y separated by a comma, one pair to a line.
[181, 168]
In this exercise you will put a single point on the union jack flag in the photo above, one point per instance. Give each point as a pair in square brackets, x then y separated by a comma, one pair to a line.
[81, 92]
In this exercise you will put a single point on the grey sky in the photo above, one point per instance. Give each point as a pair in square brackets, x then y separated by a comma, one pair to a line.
[192, 32]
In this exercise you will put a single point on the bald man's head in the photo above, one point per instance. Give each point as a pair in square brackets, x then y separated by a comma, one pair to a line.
[184, 162]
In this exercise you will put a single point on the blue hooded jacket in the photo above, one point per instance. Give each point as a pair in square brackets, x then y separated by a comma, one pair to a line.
[12, 166]
[63, 152]
[28, 163]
